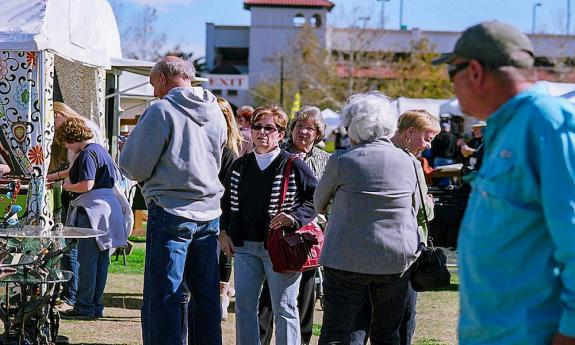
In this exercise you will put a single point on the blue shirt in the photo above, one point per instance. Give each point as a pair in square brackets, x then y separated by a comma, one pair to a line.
[517, 240]
[94, 163]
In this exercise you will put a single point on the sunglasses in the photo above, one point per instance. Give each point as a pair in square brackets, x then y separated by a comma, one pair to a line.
[267, 129]
[452, 70]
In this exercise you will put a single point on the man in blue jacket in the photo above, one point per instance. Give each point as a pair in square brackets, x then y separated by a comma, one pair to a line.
[517, 240]
[175, 155]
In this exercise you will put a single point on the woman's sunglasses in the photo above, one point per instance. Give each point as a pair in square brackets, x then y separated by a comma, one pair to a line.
[267, 129]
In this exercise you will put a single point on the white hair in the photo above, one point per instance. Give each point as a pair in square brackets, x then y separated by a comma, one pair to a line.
[369, 116]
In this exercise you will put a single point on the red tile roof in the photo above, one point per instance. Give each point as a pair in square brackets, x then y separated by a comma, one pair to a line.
[289, 3]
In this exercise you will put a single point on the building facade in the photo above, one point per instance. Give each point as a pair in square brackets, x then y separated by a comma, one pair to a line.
[241, 57]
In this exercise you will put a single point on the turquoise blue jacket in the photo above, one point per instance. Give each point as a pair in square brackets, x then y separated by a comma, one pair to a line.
[517, 240]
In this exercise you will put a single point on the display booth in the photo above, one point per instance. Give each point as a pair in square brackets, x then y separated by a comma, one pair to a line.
[50, 50]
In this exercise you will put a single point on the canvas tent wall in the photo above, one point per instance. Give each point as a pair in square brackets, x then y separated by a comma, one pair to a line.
[50, 49]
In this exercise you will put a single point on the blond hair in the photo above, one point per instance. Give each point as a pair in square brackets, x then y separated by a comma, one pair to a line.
[58, 152]
[235, 138]
[419, 119]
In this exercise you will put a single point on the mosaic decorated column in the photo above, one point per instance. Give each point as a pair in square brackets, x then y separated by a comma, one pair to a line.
[27, 122]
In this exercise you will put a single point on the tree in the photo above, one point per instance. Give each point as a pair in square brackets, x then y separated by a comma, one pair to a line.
[199, 63]
[416, 77]
[326, 78]
[140, 40]
[309, 70]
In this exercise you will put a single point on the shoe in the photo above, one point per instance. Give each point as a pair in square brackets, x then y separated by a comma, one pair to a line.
[73, 314]
[63, 306]
[231, 291]
[224, 299]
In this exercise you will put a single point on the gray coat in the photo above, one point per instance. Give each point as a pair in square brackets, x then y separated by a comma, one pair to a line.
[372, 228]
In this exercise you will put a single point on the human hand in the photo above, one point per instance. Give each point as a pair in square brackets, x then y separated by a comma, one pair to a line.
[282, 220]
[467, 151]
[67, 184]
[560, 339]
[430, 199]
[226, 244]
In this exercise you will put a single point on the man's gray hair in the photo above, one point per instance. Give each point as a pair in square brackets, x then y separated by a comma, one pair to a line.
[172, 67]
[369, 116]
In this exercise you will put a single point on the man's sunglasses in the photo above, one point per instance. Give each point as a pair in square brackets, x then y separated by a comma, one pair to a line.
[267, 129]
[452, 70]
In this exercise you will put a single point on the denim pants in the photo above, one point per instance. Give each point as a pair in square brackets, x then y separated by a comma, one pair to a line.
[92, 276]
[345, 294]
[69, 262]
[180, 252]
[252, 265]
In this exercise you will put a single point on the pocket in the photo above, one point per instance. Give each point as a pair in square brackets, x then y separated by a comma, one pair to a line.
[496, 179]
[179, 227]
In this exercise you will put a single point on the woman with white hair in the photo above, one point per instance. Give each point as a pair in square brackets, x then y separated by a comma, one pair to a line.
[371, 238]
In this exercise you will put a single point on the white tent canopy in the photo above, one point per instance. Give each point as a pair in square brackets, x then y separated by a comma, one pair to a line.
[80, 30]
[566, 90]
[431, 105]
[331, 119]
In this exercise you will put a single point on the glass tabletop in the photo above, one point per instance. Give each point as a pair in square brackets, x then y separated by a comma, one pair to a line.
[34, 276]
[34, 231]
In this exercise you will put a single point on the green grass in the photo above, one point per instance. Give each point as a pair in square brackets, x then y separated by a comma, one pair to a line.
[137, 239]
[426, 341]
[316, 330]
[135, 263]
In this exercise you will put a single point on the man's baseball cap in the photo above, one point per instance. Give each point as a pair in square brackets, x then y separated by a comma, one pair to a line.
[493, 43]
[479, 124]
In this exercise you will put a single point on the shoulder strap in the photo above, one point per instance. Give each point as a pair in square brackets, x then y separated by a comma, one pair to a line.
[285, 180]
[430, 240]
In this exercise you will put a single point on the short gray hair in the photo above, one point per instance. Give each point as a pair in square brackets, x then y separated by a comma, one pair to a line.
[310, 112]
[174, 67]
[369, 116]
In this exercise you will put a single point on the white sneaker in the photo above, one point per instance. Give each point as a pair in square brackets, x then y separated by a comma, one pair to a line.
[225, 302]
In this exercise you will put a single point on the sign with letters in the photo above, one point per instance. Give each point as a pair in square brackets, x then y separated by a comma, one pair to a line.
[227, 81]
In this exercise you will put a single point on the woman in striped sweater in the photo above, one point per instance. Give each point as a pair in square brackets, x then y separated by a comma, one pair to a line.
[250, 208]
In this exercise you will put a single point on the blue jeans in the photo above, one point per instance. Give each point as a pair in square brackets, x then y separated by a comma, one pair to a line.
[180, 251]
[252, 265]
[69, 262]
[346, 293]
[92, 276]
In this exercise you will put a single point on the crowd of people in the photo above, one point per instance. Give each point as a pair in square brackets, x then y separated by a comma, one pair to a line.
[370, 199]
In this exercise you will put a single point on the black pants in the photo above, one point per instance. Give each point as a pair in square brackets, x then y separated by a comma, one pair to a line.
[305, 303]
[225, 267]
[345, 295]
[360, 334]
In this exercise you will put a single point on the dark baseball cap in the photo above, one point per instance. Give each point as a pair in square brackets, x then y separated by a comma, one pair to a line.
[493, 43]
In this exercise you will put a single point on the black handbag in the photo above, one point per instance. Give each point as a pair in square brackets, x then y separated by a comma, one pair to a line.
[429, 271]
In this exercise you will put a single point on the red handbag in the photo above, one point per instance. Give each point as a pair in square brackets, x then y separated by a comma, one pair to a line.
[296, 251]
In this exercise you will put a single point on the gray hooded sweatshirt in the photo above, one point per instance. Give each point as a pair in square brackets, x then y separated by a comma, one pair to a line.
[175, 153]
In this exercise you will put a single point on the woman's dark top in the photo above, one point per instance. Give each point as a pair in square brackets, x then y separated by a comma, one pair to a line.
[94, 163]
[251, 197]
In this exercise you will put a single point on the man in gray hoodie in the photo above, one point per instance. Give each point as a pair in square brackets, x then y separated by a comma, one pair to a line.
[174, 153]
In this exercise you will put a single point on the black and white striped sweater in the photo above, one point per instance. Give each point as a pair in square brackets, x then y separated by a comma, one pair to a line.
[251, 197]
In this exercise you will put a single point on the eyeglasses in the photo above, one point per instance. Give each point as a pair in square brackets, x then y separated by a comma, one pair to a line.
[267, 129]
[452, 70]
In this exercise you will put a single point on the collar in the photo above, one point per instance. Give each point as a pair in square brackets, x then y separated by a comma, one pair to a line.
[499, 118]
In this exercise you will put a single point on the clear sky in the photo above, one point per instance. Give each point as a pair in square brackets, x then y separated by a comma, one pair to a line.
[184, 21]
